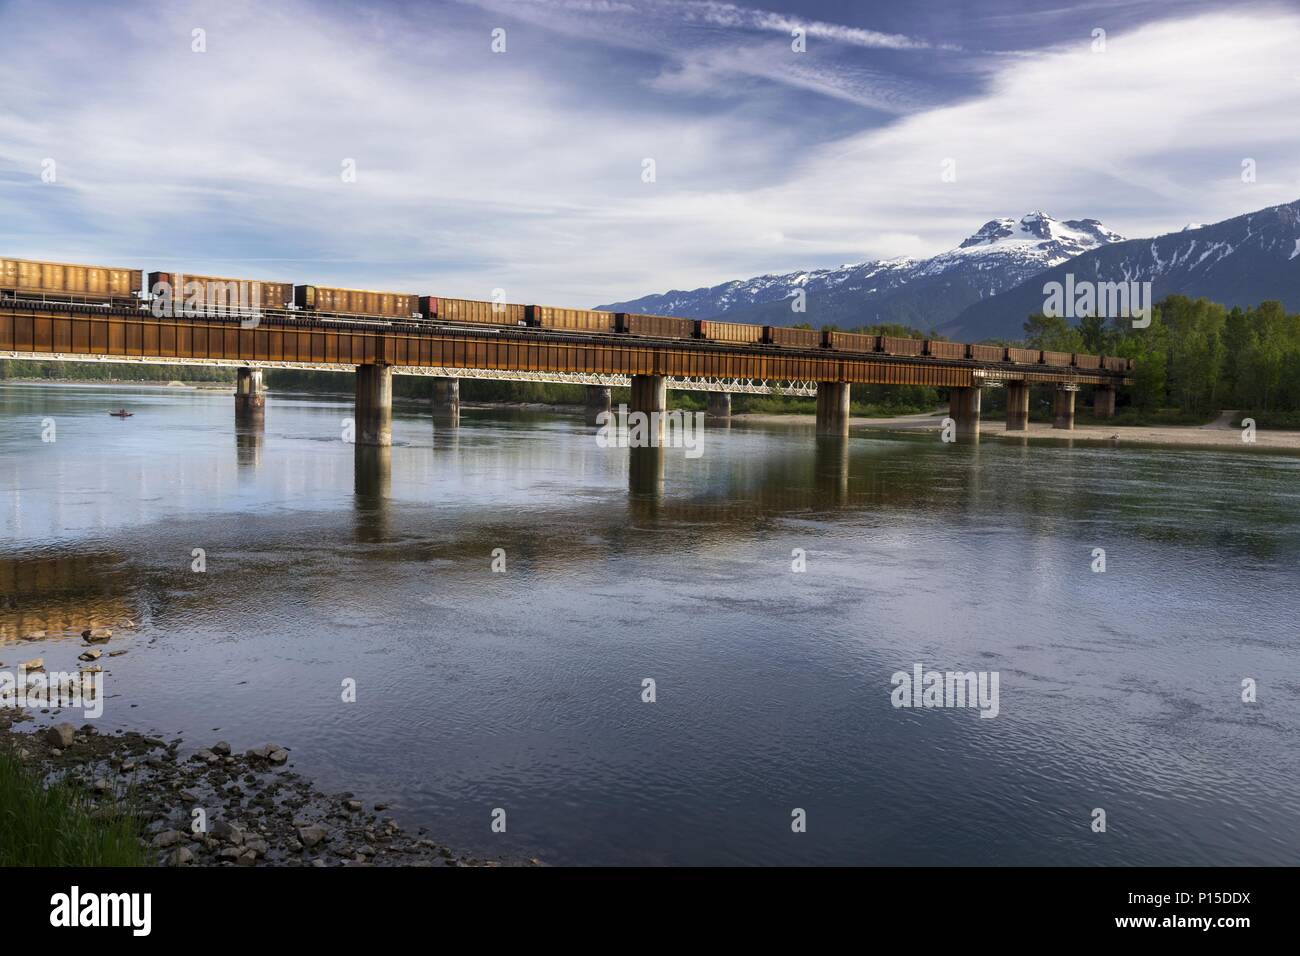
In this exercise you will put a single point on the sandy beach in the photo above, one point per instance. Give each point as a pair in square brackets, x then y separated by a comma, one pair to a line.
[1220, 434]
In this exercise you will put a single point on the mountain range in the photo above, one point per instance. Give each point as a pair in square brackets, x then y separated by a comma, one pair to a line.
[986, 286]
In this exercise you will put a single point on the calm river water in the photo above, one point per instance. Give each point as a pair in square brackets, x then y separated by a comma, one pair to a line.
[523, 690]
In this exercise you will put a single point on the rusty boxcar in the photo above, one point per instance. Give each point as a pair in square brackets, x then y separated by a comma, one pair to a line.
[219, 293]
[850, 341]
[570, 320]
[895, 345]
[1057, 358]
[1114, 363]
[987, 353]
[1024, 356]
[393, 305]
[95, 282]
[1086, 361]
[739, 333]
[471, 310]
[792, 338]
[654, 326]
[947, 350]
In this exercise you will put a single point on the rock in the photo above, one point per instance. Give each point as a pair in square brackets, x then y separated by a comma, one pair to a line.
[96, 635]
[227, 831]
[354, 806]
[180, 857]
[222, 748]
[102, 785]
[35, 664]
[128, 766]
[231, 853]
[256, 845]
[60, 736]
[318, 862]
[279, 757]
[247, 858]
[168, 838]
[313, 834]
[34, 636]
[117, 653]
[91, 655]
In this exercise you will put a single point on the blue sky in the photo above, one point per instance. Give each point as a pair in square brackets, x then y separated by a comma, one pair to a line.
[523, 170]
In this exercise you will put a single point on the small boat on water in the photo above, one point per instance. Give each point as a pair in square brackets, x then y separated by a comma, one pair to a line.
[121, 413]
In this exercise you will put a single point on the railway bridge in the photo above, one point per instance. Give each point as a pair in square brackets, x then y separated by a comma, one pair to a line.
[49, 328]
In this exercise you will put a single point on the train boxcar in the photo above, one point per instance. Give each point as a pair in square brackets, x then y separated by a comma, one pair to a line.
[850, 341]
[947, 350]
[654, 326]
[470, 310]
[219, 293]
[1057, 358]
[894, 345]
[1086, 361]
[570, 320]
[94, 282]
[1114, 363]
[392, 305]
[1024, 356]
[739, 333]
[988, 353]
[792, 338]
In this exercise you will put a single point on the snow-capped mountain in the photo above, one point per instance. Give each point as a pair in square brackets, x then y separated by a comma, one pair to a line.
[1241, 261]
[923, 293]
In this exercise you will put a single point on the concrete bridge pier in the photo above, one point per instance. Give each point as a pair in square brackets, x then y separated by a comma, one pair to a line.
[374, 405]
[598, 400]
[250, 395]
[1103, 401]
[446, 401]
[719, 405]
[1063, 407]
[833, 408]
[964, 409]
[1017, 406]
[650, 395]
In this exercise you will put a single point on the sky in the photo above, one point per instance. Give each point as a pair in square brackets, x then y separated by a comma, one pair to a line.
[606, 149]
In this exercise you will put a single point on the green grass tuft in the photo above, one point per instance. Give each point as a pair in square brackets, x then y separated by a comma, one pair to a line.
[57, 825]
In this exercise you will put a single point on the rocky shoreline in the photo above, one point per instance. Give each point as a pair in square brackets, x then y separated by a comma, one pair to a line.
[255, 810]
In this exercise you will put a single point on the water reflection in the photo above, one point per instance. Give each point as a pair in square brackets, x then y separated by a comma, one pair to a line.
[250, 439]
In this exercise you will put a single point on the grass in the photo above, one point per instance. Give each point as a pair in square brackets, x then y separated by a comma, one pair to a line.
[55, 825]
[1266, 420]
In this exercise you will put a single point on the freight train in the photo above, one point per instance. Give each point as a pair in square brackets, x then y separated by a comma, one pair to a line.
[173, 293]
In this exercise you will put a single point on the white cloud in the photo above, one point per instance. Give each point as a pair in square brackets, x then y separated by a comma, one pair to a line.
[479, 171]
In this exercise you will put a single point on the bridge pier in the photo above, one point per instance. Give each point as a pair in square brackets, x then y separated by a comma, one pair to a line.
[250, 396]
[650, 395]
[598, 401]
[719, 405]
[833, 408]
[374, 405]
[1063, 406]
[964, 409]
[445, 402]
[1103, 401]
[1017, 406]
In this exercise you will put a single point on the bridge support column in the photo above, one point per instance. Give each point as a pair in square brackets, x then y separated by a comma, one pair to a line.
[1063, 406]
[719, 405]
[650, 395]
[833, 408]
[598, 401]
[964, 409]
[1017, 406]
[1103, 401]
[250, 396]
[374, 405]
[446, 401]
